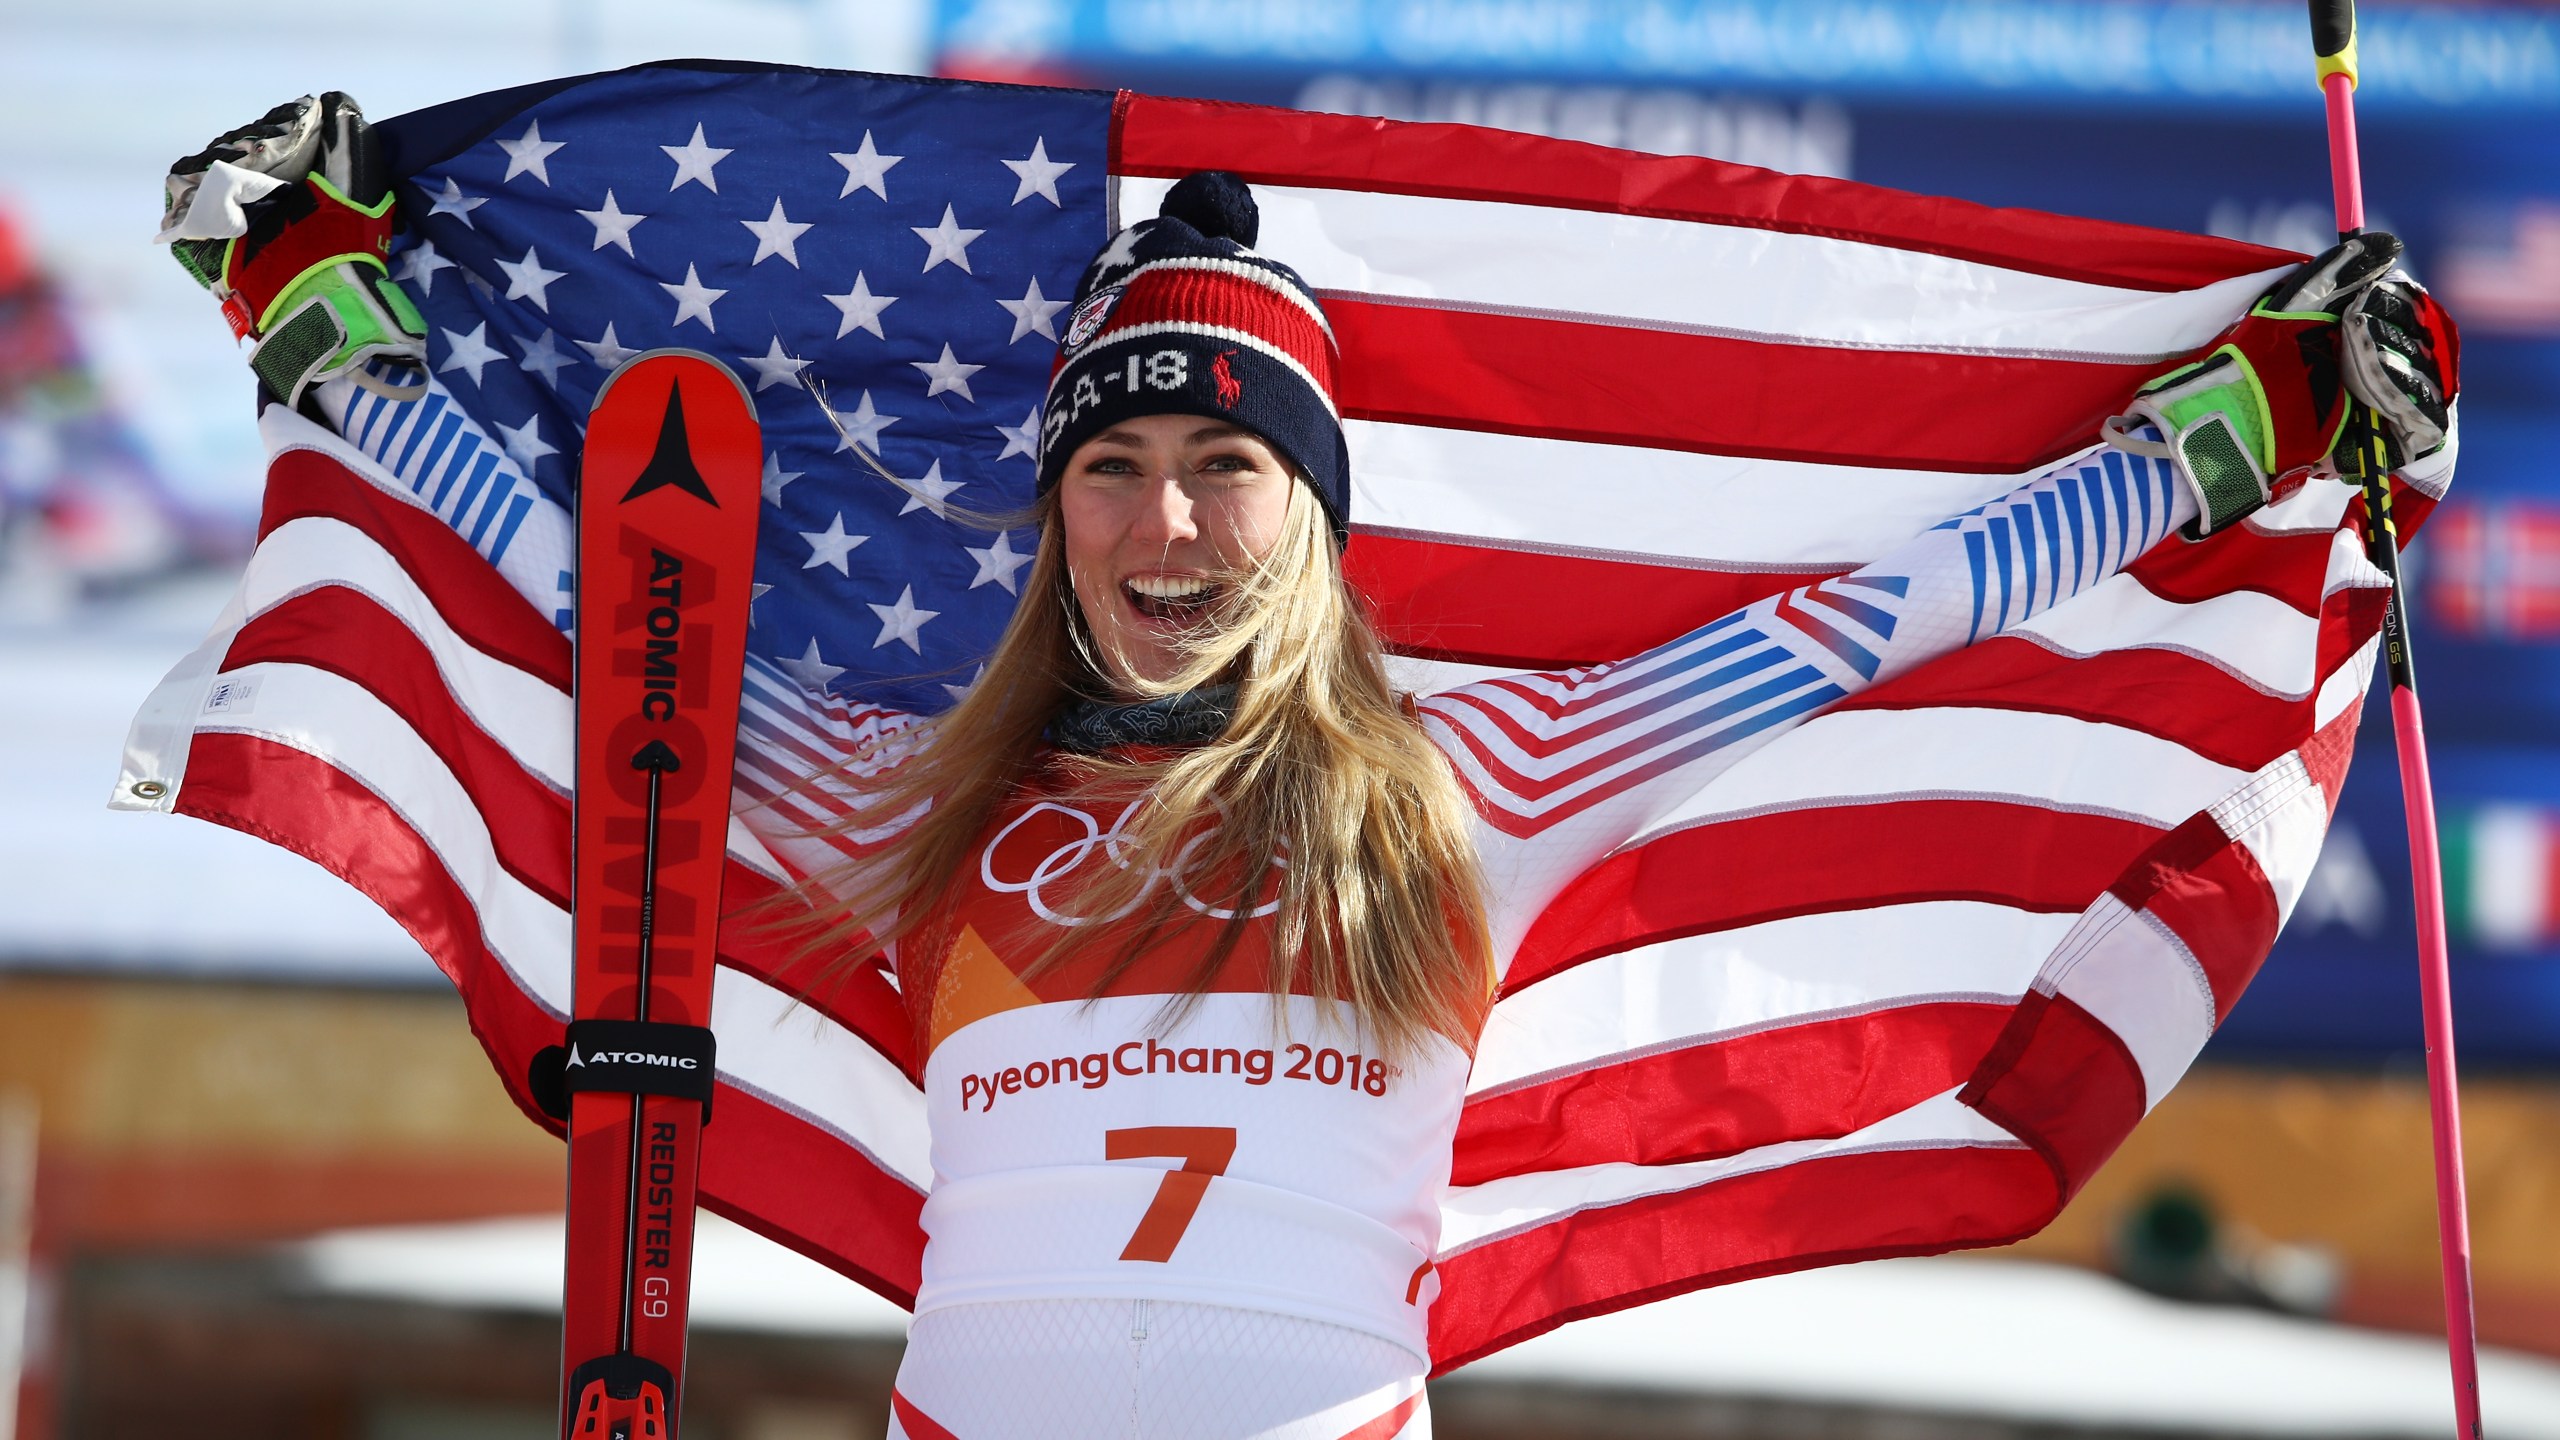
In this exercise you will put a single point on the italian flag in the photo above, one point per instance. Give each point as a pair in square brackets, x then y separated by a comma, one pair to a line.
[2502, 876]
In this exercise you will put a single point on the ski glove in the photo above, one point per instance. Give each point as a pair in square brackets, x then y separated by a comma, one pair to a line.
[2249, 422]
[2404, 362]
[287, 220]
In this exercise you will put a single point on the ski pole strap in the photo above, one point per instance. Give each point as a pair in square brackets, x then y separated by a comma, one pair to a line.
[625, 1057]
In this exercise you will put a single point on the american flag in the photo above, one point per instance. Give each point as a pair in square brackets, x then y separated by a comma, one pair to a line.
[1895, 984]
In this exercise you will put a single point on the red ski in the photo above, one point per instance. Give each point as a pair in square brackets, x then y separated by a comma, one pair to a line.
[667, 503]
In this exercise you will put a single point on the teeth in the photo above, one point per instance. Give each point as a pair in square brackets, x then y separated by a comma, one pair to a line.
[1169, 587]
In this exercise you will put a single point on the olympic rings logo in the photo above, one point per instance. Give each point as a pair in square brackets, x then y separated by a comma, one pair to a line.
[1116, 846]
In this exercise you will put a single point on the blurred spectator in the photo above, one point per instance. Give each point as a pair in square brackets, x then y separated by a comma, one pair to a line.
[83, 513]
[2172, 1244]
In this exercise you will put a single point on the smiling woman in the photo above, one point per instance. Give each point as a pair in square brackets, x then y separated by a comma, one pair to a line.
[1183, 797]
[1189, 656]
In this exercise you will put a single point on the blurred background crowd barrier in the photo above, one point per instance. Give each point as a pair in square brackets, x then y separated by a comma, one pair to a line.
[221, 1074]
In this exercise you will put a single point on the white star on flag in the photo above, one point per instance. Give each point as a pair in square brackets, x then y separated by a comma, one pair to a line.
[544, 358]
[471, 352]
[1032, 313]
[1038, 174]
[1022, 439]
[998, 563]
[861, 308]
[524, 443]
[830, 546]
[755, 592]
[530, 154]
[774, 367]
[947, 373]
[694, 160]
[960, 692]
[526, 279]
[865, 169]
[613, 224]
[776, 234]
[453, 202]
[928, 493]
[809, 669]
[901, 621]
[775, 478]
[946, 241]
[607, 351]
[1119, 255]
[863, 426]
[419, 267]
[693, 300]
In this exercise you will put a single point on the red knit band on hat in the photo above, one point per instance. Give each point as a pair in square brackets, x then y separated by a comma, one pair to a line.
[1209, 301]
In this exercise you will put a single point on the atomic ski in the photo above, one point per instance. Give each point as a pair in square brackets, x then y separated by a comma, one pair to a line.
[667, 501]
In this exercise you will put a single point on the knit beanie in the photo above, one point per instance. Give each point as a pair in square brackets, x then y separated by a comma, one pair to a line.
[1179, 316]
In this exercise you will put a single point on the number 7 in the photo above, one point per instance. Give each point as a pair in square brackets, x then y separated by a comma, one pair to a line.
[1204, 1151]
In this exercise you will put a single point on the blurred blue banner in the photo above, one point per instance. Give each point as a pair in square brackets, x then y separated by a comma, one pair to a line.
[2342, 984]
[2113, 51]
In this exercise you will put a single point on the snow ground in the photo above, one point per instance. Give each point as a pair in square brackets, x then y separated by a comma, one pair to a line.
[2012, 1339]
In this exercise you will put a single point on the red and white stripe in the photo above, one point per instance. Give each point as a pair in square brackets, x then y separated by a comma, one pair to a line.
[1895, 983]
[1560, 361]
[406, 724]
[1232, 301]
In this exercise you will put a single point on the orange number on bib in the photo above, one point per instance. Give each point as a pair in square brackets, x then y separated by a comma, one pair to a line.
[1204, 1151]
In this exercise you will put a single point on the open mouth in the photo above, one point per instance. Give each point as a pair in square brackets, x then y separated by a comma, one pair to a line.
[1169, 597]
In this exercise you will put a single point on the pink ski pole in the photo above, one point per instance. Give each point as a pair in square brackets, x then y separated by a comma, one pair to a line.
[2333, 40]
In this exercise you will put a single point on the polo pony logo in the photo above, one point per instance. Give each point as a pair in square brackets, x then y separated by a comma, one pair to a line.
[1230, 389]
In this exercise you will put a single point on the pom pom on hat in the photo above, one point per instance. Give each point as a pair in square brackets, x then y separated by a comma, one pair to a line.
[1217, 204]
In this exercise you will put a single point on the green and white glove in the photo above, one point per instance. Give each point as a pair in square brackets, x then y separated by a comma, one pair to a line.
[287, 221]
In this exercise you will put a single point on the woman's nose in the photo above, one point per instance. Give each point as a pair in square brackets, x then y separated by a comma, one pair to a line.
[1164, 517]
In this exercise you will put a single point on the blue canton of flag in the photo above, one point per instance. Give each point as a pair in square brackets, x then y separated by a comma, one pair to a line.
[906, 248]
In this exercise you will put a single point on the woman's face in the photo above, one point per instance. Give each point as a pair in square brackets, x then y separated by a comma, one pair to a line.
[1160, 512]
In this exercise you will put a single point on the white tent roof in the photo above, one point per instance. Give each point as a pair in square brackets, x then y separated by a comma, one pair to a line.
[2030, 1342]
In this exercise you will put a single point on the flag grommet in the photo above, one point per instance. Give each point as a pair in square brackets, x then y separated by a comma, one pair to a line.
[149, 789]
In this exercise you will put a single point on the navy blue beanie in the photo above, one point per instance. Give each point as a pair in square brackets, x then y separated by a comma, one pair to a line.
[1179, 316]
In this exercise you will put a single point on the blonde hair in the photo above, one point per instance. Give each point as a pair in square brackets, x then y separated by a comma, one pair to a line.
[1323, 789]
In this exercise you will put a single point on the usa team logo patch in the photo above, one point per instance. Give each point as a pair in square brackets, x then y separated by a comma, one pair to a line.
[1090, 316]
